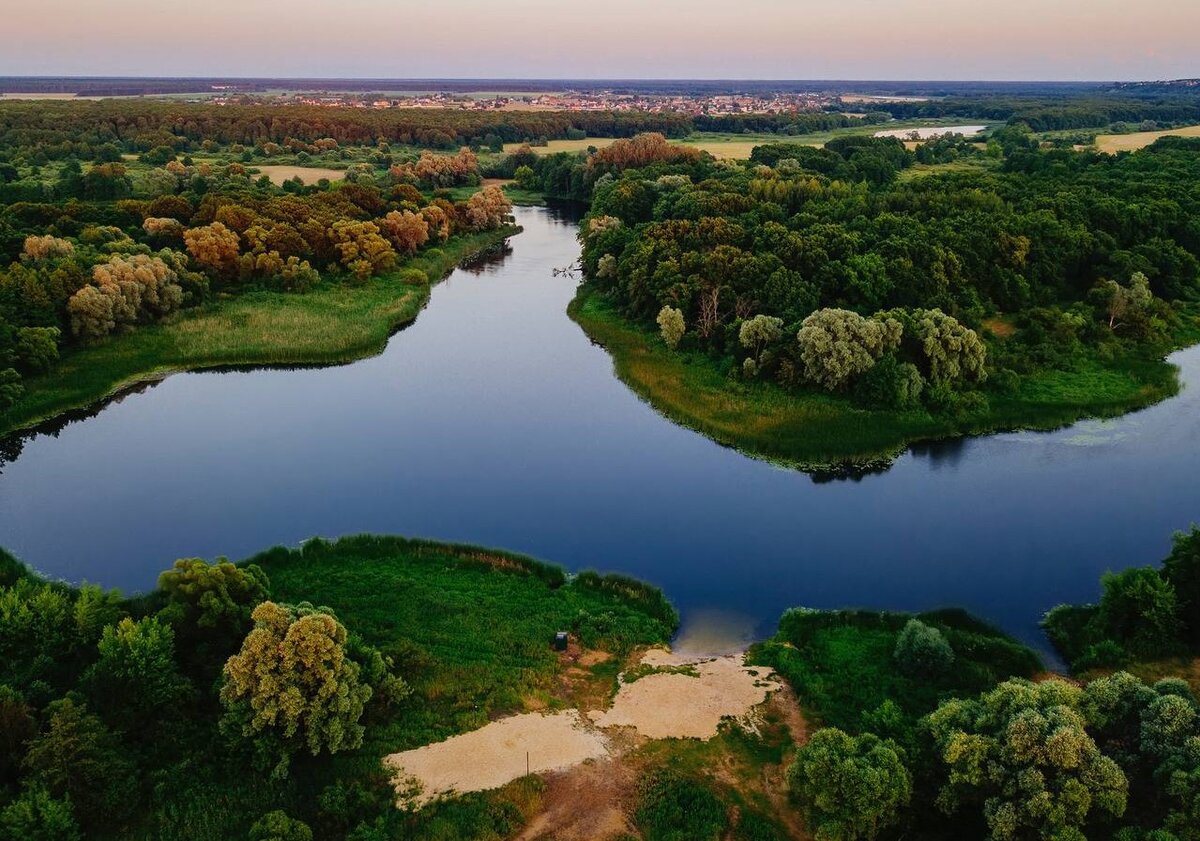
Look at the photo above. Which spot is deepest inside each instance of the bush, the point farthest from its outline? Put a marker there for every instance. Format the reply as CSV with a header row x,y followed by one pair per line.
x,y
414,276
922,650
672,807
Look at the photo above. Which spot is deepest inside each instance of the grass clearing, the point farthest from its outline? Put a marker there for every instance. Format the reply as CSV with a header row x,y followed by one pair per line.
x,y
278,173
331,324
814,429
470,628
1113,143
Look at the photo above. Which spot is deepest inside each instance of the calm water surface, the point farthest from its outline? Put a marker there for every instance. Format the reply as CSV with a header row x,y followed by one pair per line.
x,y
494,420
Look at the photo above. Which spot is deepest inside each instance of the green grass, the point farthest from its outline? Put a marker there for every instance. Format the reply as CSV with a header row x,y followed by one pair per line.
x,y
841,666
470,628
814,429
332,324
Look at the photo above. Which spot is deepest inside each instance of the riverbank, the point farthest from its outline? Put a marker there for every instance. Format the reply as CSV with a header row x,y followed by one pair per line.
x,y
332,324
815,430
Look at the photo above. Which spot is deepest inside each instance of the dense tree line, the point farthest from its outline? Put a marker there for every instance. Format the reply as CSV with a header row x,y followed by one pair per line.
x,y
933,729
79,129
897,292
1144,613
1056,113
104,260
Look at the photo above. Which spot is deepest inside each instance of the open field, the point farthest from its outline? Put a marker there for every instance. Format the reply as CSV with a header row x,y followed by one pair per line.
x,y
735,146
278,173
1113,143
331,324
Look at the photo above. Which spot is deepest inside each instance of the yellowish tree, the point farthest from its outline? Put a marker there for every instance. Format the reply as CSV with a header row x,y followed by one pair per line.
x,y
487,209
293,684
213,247
406,230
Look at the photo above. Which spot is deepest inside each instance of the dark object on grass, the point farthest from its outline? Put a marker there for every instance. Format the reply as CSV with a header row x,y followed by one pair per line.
x,y
560,641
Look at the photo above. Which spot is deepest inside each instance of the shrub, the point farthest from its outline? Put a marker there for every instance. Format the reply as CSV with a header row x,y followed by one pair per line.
x,y
672,807
414,276
671,326
921,650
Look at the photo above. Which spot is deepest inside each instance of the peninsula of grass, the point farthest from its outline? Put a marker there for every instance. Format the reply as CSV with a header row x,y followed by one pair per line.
x,y
335,323
814,429
470,628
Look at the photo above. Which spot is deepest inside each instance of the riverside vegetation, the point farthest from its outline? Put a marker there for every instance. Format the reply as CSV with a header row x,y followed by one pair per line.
x,y
257,700
131,273
812,307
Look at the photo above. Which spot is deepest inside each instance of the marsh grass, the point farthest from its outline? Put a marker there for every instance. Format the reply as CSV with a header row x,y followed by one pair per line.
x,y
814,429
334,323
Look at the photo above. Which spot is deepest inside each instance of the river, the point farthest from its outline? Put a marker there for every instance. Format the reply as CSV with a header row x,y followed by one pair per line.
x,y
494,420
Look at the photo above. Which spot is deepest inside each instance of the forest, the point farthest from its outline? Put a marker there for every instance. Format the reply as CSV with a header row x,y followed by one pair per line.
x,y
123,246
835,273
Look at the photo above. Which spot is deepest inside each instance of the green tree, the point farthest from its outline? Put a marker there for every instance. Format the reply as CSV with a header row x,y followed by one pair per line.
x,y
136,672
952,352
1020,754
16,728
79,758
838,345
1138,609
671,326
37,816
758,333
850,786
292,685
1181,570
922,651
278,826
212,600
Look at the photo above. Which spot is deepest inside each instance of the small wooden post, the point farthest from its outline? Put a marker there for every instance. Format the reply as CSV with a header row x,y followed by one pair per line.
x,y
526,763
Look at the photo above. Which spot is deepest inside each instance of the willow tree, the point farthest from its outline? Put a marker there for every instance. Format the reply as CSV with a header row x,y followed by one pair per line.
x,y
838,345
293,686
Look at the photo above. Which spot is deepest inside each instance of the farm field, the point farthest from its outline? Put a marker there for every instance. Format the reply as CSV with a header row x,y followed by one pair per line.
x,y
1113,143
278,173
738,146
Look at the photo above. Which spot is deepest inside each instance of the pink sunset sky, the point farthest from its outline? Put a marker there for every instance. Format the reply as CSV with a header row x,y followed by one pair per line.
x,y
776,39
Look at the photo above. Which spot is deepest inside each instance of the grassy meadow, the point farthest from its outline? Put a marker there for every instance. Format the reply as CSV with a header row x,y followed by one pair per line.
x,y
472,626
813,429
333,323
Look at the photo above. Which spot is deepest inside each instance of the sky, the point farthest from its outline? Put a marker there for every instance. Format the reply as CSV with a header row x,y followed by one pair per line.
x,y
713,39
